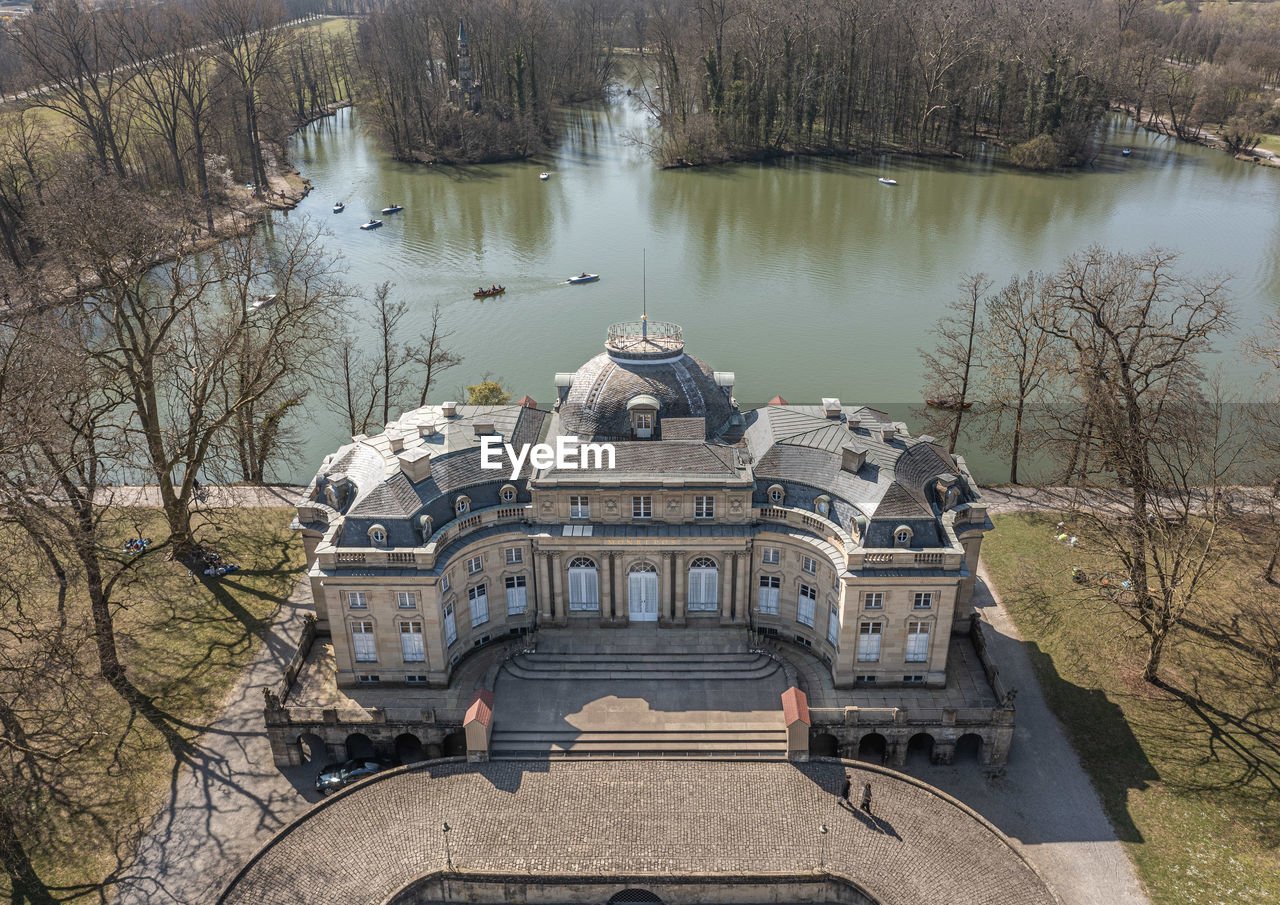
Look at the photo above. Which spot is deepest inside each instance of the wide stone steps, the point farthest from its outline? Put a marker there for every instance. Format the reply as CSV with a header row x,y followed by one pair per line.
x,y
642,666
723,742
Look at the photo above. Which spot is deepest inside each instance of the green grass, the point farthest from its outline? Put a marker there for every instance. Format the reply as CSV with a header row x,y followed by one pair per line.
x,y
184,644
1186,775
1270,143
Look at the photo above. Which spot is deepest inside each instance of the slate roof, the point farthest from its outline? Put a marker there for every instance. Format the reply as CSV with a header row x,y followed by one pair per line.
x,y
658,458
596,404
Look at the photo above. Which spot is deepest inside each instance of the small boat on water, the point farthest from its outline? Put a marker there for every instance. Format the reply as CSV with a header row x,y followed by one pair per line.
x,y
884,180
1126,152
372,224
339,207
488,293
584,277
263,301
544,176
948,405
393,209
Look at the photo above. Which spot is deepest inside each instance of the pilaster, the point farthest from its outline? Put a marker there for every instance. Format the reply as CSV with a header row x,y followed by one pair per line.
x,y
681,590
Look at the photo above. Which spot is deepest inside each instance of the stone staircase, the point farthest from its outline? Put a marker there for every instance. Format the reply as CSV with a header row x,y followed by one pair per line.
x,y
634,703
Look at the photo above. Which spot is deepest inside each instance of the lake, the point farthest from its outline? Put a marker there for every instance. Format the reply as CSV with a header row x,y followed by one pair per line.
x,y
806,277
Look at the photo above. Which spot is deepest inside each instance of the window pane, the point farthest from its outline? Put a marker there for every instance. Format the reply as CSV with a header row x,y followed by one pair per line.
x,y
833,626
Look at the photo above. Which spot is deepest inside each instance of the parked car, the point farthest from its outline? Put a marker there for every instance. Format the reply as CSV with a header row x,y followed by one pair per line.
x,y
340,775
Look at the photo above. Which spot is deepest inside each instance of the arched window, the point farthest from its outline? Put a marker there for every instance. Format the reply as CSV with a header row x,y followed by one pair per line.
x,y
902,536
703,585
822,506
643,567
425,526
777,494
584,584
377,535
461,505
508,494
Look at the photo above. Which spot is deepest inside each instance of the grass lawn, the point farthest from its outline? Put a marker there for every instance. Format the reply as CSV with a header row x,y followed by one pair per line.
x,y
1189,774
1270,143
184,643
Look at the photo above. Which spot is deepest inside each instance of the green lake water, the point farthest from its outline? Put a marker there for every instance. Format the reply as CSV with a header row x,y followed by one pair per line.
x,y
806,277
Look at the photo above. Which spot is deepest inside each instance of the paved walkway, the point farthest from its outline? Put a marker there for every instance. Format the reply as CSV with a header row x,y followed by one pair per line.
x,y
231,798
589,819
1044,800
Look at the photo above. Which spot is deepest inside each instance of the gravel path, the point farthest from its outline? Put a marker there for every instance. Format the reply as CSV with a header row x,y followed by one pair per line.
x,y
1044,800
231,797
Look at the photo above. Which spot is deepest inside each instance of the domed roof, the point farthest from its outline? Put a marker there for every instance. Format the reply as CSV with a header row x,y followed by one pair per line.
x,y
642,360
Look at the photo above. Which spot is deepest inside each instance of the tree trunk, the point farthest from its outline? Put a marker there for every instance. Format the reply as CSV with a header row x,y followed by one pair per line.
x,y
26,884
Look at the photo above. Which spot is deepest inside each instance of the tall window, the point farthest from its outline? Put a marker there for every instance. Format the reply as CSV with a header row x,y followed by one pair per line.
x,y
475,564
771,556
869,642
703,585
450,626
809,564
444,584
517,594
584,585
833,627
479,597
769,589
917,642
874,600
411,642
362,643
579,507
704,507
514,555
406,600
923,601
357,601
642,507
804,606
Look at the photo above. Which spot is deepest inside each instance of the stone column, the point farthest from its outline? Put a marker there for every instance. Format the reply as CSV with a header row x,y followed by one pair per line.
x,y
666,601
545,609
605,578
726,589
621,608
559,601
682,589
742,591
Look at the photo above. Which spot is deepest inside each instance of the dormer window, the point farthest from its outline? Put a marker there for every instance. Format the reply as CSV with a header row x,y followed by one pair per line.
x,y
902,536
822,506
378,535
508,494
461,506
777,494
644,415
425,526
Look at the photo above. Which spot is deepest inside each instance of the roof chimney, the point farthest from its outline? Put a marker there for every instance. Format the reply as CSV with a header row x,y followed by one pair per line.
x,y
483,428
397,442
831,406
416,464
852,457
449,409
427,430
888,433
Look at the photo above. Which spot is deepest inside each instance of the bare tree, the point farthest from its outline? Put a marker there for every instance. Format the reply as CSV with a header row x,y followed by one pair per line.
x,y
950,364
433,354
1134,331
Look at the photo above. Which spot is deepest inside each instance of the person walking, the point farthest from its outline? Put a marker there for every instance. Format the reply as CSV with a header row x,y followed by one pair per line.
x,y
866,797
845,789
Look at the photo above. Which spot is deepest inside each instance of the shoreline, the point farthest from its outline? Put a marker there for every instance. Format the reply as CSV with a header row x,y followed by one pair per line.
x,y
1161,125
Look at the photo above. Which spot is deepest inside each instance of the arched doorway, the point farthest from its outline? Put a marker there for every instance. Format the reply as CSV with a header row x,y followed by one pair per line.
x,y
968,749
704,585
642,592
312,749
455,743
584,584
409,748
824,745
634,897
359,745
873,747
920,749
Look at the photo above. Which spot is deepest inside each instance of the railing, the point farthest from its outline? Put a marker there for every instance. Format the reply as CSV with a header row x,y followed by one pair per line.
x,y
809,521
423,557
908,716
950,558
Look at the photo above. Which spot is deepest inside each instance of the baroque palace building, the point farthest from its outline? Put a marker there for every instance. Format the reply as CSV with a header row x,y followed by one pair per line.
x,y
828,527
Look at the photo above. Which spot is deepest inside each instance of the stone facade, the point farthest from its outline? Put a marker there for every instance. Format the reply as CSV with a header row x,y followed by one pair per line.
x,y
827,527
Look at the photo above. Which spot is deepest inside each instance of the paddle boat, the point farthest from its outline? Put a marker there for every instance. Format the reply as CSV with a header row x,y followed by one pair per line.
x,y
339,207
372,224
884,180
393,209
1126,152
584,277
263,301
487,293
544,176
